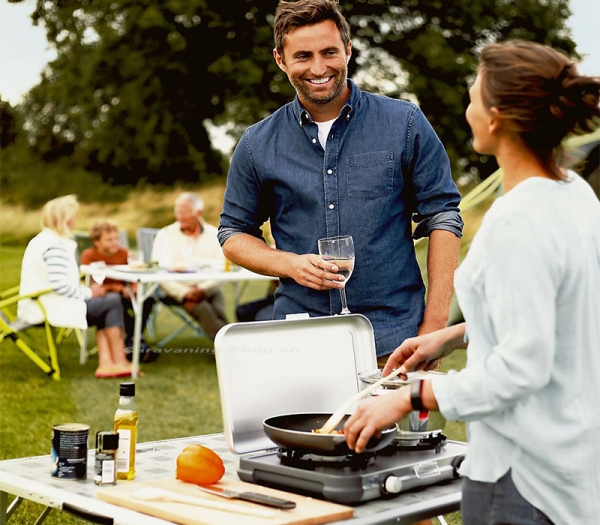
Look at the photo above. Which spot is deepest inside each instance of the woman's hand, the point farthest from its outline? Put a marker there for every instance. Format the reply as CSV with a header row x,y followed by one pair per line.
x,y
425,351
374,414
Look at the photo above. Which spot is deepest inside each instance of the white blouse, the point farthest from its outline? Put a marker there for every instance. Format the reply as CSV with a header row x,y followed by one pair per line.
x,y
529,289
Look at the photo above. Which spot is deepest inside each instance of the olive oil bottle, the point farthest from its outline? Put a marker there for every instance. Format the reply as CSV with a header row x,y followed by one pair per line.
x,y
126,425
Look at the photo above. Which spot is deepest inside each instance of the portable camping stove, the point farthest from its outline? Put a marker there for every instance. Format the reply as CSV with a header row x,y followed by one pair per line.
x,y
356,478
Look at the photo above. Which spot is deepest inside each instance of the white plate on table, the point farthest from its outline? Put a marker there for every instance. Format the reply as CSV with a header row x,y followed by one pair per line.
x,y
201,266
182,270
128,269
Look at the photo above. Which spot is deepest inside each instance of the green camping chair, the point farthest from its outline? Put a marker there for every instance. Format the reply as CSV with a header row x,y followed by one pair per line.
x,y
14,329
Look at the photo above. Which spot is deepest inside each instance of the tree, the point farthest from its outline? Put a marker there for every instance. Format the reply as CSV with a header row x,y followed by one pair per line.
x,y
124,92
136,83
8,124
436,44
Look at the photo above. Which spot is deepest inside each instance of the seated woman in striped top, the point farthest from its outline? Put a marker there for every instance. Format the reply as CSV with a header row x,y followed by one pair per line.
x,y
49,262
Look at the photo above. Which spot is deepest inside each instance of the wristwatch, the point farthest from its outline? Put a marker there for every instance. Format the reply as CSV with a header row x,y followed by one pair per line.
x,y
415,395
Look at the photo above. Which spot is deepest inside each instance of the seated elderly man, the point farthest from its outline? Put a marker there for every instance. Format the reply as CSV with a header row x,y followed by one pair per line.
x,y
180,246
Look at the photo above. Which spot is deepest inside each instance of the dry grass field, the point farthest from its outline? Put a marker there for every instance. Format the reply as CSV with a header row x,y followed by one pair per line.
x,y
145,207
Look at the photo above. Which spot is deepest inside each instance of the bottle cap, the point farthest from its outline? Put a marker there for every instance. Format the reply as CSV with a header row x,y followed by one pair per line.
x,y
107,441
127,389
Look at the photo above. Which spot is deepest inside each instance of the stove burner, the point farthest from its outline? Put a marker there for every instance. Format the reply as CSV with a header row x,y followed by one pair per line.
x,y
308,460
322,458
406,444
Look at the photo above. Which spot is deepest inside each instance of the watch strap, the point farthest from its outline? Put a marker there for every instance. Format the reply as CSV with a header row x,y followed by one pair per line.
x,y
416,400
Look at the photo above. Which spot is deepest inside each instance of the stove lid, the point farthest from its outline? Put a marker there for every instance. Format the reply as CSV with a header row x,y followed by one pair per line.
x,y
269,368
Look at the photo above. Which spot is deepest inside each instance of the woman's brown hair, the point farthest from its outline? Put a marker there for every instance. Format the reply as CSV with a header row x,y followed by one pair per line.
x,y
539,95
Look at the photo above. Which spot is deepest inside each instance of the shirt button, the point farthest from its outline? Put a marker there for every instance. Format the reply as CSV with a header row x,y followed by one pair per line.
x,y
331,206
329,172
314,141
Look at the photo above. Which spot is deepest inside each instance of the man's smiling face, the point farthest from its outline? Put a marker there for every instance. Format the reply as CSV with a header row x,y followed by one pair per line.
x,y
316,62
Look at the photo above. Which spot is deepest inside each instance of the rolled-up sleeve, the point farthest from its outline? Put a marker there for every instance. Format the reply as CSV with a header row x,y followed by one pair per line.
x,y
244,207
225,233
447,220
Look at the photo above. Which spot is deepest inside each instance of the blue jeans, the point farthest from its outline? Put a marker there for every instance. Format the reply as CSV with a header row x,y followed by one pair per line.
x,y
498,503
105,311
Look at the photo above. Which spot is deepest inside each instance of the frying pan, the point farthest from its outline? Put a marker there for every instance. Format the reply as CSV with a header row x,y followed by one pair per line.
x,y
294,431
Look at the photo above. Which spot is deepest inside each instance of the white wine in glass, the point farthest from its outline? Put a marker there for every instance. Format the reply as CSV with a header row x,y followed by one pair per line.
x,y
339,251
98,271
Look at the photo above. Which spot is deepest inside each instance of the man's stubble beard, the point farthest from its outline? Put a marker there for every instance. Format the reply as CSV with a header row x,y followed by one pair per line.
x,y
306,93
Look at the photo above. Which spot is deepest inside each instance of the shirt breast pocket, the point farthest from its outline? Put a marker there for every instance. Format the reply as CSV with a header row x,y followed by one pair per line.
x,y
370,175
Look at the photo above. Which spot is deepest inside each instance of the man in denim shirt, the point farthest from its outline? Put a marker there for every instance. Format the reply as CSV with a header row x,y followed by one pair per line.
x,y
339,161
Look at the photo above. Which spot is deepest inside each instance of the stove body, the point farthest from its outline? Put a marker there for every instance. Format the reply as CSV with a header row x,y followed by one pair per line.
x,y
351,480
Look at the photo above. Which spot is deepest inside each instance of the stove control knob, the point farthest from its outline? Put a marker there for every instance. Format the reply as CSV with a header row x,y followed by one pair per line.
x,y
392,485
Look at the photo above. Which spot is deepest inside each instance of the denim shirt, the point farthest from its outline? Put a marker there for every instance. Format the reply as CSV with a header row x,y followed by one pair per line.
x,y
383,165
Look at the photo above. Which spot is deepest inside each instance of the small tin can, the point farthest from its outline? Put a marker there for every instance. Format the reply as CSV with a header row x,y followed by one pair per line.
x,y
107,444
69,450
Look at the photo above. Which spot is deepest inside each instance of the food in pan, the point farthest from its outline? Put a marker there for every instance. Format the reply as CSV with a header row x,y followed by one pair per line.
x,y
333,432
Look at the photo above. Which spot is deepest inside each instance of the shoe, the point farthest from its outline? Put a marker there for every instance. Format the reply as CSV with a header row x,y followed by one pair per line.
x,y
148,355
122,372
112,371
104,373
126,372
144,349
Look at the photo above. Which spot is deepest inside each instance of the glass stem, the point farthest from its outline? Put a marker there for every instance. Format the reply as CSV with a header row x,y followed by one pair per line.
x,y
344,303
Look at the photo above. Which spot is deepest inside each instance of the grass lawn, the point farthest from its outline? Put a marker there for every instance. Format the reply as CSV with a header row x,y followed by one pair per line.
x,y
177,397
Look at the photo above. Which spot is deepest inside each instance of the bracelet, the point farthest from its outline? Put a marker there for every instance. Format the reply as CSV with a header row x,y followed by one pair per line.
x,y
416,400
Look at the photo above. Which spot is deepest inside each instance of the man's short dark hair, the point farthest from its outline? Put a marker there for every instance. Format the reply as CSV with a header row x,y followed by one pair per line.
x,y
292,14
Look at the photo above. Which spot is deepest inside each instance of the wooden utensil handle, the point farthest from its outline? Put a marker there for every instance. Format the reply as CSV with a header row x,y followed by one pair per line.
x,y
337,416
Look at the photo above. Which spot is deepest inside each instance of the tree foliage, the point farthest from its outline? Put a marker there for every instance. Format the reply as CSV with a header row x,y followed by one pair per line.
x,y
137,83
8,124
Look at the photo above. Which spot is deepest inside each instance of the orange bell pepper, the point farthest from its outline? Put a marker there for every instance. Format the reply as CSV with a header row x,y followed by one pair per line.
x,y
200,465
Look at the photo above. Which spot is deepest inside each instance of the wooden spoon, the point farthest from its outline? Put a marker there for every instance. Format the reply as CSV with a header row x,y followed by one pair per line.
x,y
338,415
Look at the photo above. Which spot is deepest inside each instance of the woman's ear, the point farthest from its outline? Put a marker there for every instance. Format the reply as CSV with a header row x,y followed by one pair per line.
x,y
494,121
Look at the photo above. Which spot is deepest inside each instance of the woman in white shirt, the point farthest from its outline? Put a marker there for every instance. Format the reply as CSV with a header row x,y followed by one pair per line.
x,y
49,262
529,290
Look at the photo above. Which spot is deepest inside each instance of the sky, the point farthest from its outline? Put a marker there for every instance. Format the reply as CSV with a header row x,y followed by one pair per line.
x,y
24,50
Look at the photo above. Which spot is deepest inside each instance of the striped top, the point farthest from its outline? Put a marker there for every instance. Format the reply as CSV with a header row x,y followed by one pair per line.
x,y
56,259
49,263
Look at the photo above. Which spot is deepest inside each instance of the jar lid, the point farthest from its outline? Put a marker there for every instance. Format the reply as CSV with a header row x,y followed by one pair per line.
x,y
107,441
127,389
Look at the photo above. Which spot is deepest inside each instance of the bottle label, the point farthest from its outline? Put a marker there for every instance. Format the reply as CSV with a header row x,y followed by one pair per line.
x,y
105,469
124,448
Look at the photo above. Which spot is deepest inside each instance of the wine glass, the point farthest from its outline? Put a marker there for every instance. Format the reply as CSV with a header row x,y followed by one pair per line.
x,y
339,251
98,271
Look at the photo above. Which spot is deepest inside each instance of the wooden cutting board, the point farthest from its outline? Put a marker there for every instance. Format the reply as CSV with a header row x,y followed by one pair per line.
x,y
308,511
